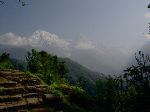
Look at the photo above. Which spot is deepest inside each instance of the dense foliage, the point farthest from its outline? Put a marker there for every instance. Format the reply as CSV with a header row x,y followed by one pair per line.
x,y
45,64
130,93
5,62
139,77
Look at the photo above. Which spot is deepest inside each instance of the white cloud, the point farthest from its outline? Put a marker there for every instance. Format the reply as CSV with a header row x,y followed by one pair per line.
x,y
12,39
147,36
48,41
85,44
42,37
39,39
100,53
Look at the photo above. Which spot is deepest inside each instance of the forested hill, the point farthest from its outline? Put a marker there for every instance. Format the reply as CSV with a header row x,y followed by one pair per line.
x,y
77,71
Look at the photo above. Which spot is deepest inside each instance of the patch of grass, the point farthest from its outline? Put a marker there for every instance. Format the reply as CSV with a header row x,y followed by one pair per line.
x,y
64,90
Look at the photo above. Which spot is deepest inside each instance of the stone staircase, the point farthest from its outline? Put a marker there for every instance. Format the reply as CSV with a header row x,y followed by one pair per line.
x,y
20,92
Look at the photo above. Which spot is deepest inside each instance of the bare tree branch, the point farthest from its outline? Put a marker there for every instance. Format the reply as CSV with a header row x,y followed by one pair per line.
x,y
22,2
2,2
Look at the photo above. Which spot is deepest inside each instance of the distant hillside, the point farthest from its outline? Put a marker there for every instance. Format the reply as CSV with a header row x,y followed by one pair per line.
x,y
19,64
82,75
15,52
77,71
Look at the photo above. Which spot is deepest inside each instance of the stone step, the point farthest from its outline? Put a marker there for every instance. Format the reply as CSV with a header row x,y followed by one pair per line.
x,y
9,98
2,79
23,110
31,101
9,70
35,89
50,99
49,96
39,110
8,84
32,95
15,78
12,91
23,90
32,81
42,86
25,80
24,104
19,74
9,75
12,106
5,72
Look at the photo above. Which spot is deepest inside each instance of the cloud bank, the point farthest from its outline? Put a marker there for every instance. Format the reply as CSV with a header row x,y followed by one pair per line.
x,y
45,40
98,56
39,39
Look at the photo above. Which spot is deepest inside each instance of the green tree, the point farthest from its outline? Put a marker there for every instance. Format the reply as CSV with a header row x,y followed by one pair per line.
x,y
108,90
47,65
5,56
5,61
62,68
138,76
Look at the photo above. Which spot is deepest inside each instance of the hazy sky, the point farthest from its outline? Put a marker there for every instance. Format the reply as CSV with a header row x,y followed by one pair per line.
x,y
117,25
97,19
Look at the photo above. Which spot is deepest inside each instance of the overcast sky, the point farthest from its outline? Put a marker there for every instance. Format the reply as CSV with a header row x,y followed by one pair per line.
x,y
103,25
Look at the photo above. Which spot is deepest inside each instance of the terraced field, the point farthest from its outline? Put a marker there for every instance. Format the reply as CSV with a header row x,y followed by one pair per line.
x,y
20,92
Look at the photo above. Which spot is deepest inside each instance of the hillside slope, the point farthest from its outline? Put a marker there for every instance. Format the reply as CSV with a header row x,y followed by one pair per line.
x,y
77,71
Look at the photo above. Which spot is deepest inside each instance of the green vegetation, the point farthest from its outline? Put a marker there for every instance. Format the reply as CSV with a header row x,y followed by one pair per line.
x,y
5,62
45,64
129,92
